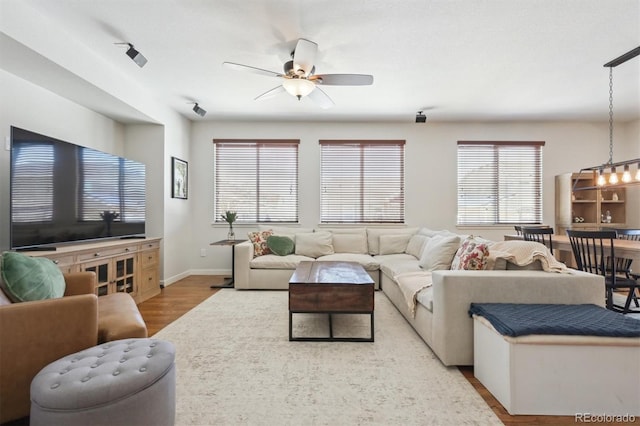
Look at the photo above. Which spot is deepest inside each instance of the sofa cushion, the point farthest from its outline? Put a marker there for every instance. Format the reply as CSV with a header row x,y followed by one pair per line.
x,y
439,251
273,261
425,298
395,264
259,240
373,236
280,245
314,244
471,256
416,244
26,278
350,243
367,262
393,244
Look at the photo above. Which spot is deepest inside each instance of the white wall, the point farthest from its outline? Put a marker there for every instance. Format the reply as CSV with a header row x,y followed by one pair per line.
x,y
33,108
430,168
36,109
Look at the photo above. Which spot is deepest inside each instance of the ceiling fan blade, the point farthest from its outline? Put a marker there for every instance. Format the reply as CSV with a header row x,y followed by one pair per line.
x,y
270,93
320,98
251,69
304,56
343,79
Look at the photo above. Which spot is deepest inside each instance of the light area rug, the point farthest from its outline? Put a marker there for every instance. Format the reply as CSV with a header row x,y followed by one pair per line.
x,y
236,366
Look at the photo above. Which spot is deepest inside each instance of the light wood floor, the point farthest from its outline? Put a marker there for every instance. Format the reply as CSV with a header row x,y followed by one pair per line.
x,y
177,299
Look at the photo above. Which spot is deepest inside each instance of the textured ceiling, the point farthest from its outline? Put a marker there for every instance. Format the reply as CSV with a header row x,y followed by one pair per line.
x,y
456,60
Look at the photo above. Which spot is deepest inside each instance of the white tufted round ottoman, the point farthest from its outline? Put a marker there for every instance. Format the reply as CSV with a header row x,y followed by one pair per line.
x,y
124,382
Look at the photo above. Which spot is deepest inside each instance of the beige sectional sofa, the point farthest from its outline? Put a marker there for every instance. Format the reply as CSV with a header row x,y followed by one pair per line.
x,y
439,313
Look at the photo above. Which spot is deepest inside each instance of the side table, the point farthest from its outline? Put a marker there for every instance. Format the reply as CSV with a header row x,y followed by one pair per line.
x,y
228,282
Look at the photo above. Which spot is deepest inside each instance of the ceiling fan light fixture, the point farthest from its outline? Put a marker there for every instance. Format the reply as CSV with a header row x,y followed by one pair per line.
x,y
298,87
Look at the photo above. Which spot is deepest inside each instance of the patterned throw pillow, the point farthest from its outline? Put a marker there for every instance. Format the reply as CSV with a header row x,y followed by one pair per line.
x,y
472,256
259,240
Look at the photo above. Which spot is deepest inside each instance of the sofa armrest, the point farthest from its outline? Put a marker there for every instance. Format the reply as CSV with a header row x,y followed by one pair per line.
x,y
79,283
243,256
34,334
454,291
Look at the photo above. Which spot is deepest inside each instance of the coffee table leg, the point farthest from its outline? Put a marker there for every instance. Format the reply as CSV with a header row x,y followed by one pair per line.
x,y
290,326
330,326
372,327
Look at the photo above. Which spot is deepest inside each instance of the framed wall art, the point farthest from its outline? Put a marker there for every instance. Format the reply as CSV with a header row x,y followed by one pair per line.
x,y
179,178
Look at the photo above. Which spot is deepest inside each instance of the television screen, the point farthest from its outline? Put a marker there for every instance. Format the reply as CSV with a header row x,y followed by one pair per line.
x,y
62,192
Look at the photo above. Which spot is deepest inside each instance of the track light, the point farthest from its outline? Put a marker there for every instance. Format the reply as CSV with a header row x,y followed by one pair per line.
x,y
200,111
420,117
136,56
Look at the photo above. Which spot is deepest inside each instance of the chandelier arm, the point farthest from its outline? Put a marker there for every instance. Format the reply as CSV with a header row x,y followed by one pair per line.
x,y
610,115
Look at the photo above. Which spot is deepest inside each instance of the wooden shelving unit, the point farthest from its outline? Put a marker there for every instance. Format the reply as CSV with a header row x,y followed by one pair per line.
x,y
588,204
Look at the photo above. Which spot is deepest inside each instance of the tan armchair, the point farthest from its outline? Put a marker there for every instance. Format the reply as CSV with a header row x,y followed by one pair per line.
x,y
34,334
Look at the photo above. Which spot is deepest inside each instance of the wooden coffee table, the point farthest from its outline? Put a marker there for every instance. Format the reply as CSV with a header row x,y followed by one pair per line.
x,y
330,288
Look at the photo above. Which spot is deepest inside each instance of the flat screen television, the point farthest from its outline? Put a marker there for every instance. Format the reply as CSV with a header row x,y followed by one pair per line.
x,y
62,193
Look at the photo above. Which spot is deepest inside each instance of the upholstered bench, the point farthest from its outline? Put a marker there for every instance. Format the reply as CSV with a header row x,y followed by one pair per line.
x,y
119,318
558,359
125,382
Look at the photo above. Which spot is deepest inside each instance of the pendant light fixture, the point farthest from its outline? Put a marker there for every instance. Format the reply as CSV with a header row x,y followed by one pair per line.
x,y
613,180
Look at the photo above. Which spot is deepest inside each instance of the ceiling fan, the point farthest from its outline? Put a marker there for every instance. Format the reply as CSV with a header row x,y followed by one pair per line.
x,y
298,78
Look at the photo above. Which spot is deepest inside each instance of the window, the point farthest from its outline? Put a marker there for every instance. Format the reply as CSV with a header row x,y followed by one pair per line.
x,y
256,178
499,183
362,181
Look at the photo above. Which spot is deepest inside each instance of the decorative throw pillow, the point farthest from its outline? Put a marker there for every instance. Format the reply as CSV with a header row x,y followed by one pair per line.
x,y
393,244
259,240
280,245
314,244
472,255
416,244
26,278
350,243
438,252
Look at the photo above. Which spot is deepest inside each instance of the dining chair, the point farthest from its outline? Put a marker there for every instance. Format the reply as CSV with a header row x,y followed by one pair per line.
x,y
538,234
594,252
624,265
518,228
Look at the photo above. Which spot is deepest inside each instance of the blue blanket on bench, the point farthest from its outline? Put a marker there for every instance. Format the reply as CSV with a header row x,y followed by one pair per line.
x,y
515,319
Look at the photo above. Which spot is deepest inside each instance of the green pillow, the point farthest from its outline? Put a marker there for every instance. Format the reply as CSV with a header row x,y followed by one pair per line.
x,y
280,245
29,278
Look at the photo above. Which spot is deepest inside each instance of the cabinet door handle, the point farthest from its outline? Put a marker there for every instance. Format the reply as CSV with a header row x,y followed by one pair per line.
x,y
127,249
56,261
96,254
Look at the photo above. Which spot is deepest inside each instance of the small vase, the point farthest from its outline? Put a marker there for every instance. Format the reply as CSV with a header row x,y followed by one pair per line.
x,y
231,235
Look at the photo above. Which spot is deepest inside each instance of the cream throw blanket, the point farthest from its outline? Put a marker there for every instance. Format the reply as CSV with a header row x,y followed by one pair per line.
x,y
411,283
521,253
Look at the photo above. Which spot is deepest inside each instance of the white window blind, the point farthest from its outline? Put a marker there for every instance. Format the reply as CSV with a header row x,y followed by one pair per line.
x,y
362,181
499,182
258,179
32,174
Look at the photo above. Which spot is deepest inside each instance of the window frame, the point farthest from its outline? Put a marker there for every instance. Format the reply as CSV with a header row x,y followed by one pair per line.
x,y
363,211
466,219
258,144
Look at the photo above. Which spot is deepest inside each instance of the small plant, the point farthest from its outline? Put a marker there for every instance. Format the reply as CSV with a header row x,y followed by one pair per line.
x,y
229,217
